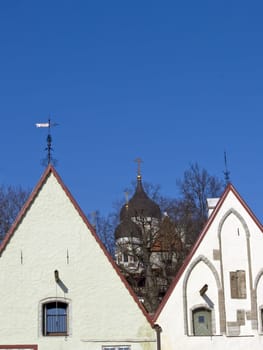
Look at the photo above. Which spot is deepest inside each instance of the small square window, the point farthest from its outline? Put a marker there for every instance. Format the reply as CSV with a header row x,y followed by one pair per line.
x,y
201,319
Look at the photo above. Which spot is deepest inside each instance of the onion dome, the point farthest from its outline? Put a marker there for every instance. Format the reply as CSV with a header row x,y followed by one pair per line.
x,y
140,205
127,228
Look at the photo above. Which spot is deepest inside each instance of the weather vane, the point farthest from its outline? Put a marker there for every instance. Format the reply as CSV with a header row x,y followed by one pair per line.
x,y
49,159
226,172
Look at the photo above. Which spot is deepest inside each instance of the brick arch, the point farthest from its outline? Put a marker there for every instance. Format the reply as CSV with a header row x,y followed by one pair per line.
x,y
205,260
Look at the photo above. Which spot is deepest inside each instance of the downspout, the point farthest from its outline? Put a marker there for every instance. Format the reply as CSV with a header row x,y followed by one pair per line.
x,y
158,331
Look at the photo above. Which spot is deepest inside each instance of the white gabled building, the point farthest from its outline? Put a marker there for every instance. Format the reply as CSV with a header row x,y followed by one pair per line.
x,y
59,288
216,300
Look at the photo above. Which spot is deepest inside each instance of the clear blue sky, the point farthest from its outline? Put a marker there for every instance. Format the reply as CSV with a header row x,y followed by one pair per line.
x,y
172,82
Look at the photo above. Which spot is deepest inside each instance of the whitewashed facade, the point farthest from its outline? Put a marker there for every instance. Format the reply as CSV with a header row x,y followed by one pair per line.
x,y
216,301
59,288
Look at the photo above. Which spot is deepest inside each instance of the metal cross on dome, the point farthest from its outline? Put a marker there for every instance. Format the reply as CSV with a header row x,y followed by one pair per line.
x,y
138,161
49,159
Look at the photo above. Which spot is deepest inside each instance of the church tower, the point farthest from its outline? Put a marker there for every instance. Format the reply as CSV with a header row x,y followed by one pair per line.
x,y
139,217
147,246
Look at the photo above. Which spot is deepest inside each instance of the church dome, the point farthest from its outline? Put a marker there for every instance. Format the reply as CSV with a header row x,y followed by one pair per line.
x,y
140,204
127,228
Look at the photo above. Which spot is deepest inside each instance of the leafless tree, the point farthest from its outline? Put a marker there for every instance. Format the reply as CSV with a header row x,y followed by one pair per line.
x,y
11,201
190,209
105,227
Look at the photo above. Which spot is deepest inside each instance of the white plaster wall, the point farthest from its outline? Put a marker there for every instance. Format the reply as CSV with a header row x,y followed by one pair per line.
x,y
102,308
172,319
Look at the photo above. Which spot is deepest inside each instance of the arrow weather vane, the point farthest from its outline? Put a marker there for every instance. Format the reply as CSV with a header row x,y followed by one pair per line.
x,y
49,148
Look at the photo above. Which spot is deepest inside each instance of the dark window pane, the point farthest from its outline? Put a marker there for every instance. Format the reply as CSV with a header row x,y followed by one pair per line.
x,y
55,318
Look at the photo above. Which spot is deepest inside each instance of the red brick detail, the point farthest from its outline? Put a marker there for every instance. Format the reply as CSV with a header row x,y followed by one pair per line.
x,y
18,347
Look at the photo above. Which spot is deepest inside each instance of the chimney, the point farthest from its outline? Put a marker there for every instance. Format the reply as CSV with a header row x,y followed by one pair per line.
x,y
211,204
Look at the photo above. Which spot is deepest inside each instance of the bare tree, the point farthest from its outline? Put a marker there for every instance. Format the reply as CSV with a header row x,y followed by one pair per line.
x,y
105,227
11,201
189,211
196,186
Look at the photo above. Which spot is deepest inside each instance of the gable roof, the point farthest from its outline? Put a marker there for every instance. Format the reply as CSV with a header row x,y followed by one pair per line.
x,y
48,171
229,188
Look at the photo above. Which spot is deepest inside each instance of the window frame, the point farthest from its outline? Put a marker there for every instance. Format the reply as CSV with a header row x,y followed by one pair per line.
x,y
116,347
193,326
42,317
51,327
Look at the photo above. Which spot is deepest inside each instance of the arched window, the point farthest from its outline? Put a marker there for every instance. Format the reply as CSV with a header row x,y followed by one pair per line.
x,y
55,318
202,324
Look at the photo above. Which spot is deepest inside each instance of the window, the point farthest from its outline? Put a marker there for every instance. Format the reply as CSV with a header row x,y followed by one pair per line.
x,y
202,321
125,257
261,319
55,318
238,284
131,259
122,347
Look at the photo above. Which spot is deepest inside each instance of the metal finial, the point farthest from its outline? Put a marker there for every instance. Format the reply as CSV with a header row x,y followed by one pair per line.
x,y
49,159
226,172
126,193
138,161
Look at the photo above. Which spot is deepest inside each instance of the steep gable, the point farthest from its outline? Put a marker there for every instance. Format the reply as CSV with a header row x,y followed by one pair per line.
x,y
53,253
229,191
218,290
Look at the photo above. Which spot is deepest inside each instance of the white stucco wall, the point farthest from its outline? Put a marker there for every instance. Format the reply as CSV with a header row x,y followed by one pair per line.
x,y
231,240
53,236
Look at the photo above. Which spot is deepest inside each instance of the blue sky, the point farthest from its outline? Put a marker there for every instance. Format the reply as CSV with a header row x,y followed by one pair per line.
x,y
172,82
